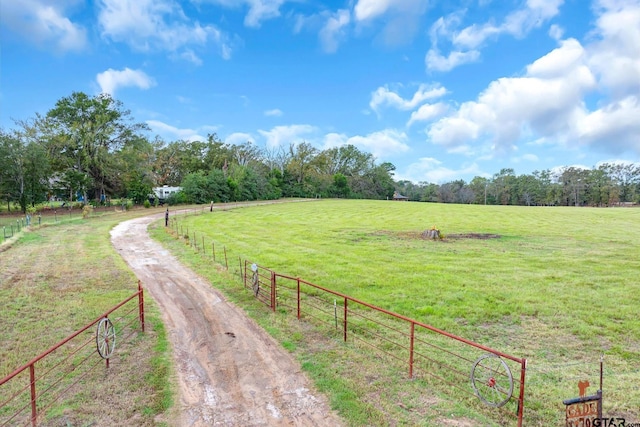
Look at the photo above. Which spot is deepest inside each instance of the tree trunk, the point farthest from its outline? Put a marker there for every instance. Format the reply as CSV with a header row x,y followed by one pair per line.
x,y
433,234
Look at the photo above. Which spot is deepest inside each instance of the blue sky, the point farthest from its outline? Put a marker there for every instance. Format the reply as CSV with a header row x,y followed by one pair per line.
x,y
444,90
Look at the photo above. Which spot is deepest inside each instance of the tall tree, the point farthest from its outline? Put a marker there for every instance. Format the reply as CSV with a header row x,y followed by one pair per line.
x,y
24,175
574,185
84,132
504,187
627,177
301,156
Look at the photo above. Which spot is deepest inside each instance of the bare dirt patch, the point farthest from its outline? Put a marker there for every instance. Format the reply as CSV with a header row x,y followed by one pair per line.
x,y
229,371
419,235
481,236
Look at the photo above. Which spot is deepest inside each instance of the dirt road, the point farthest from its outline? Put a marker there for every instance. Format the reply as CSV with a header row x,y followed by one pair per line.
x,y
229,371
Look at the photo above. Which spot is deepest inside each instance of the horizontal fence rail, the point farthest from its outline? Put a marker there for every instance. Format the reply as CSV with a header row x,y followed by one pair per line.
x,y
29,391
477,371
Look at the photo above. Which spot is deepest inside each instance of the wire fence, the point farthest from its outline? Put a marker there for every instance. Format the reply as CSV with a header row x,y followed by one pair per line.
x,y
29,392
13,224
477,373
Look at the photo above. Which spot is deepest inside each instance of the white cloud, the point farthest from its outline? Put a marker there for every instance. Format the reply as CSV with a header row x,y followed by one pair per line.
x,y
383,96
190,56
518,23
556,32
545,102
383,143
454,131
171,132
615,57
401,20
238,138
444,26
157,25
466,42
276,112
280,136
333,30
111,80
615,126
427,112
43,22
558,62
428,169
548,105
525,158
435,61
259,10
370,9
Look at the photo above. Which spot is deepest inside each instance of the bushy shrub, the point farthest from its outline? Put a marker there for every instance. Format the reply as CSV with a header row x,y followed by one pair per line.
x,y
146,203
178,198
87,210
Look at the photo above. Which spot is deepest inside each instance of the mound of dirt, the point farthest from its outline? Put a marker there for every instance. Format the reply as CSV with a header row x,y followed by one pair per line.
x,y
481,236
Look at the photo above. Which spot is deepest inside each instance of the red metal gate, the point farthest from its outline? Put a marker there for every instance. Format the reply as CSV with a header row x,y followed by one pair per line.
x,y
62,373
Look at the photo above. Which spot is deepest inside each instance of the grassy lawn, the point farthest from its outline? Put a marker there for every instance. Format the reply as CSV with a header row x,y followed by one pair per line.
x,y
558,287
55,279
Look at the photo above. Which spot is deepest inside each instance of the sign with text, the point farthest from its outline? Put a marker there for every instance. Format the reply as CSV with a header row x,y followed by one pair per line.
x,y
584,411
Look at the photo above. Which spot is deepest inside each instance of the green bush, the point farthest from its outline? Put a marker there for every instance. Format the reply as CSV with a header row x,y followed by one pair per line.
x,y
87,210
178,198
146,204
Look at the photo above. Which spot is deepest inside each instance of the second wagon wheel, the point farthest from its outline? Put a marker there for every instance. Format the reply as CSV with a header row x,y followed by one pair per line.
x,y
255,279
105,338
492,380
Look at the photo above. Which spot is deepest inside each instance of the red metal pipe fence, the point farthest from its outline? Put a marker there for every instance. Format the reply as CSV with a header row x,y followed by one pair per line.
x,y
47,385
474,370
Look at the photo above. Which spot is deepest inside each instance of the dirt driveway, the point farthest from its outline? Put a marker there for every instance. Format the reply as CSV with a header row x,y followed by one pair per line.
x,y
229,371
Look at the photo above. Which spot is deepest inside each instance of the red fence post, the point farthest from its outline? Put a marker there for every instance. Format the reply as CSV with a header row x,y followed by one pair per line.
x,y
107,359
413,328
34,412
298,298
523,369
273,290
141,304
345,319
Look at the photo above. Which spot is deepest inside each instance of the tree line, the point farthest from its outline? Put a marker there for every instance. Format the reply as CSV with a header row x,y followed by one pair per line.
x,y
90,149
608,184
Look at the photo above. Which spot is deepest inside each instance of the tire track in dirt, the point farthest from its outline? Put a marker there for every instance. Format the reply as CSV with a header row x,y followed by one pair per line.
x,y
229,371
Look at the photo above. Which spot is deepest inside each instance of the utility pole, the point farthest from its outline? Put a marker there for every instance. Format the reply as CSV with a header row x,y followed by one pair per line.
x,y
485,193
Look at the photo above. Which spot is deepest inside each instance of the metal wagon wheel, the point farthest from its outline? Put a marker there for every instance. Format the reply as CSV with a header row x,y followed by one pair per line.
x,y
255,280
105,338
492,380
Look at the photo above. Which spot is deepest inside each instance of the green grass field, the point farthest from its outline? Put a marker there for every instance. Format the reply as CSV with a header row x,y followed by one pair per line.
x,y
53,280
559,287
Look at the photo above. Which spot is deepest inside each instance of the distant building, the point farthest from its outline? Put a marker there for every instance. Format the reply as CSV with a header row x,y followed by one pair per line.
x,y
165,191
400,197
